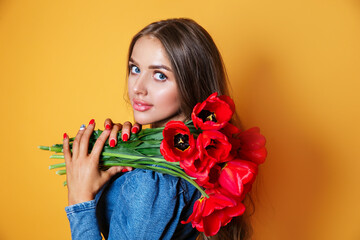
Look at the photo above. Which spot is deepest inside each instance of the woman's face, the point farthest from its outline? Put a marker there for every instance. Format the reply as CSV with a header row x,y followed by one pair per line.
x,y
152,87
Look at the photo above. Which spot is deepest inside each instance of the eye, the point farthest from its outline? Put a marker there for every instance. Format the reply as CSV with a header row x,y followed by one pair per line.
x,y
134,69
160,76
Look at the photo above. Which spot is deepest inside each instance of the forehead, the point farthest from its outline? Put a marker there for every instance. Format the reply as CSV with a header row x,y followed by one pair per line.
x,y
149,50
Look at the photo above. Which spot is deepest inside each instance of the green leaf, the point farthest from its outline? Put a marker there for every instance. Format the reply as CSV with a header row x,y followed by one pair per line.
x,y
120,150
149,132
142,150
149,144
149,151
153,136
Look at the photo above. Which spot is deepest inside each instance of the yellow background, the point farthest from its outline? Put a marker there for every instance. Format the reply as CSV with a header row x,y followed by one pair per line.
x,y
294,69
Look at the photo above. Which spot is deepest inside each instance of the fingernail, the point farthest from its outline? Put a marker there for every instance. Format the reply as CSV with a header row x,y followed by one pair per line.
x,y
107,126
124,170
125,137
82,127
112,143
135,129
91,121
65,135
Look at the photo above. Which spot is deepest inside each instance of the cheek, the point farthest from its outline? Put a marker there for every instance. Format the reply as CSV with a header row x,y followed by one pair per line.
x,y
168,98
130,89
129,86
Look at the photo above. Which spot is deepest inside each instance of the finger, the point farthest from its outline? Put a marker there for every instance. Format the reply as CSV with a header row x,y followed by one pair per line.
x,y
127,169
108,123
84,142
66,149
106,175
125,133
136,128
99,145
114,133
76,142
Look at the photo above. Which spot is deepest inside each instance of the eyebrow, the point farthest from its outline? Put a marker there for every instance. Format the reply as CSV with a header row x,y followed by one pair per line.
x,y
161,66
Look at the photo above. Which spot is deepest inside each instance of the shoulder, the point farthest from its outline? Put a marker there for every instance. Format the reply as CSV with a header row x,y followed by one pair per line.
x,y
145,183
146,204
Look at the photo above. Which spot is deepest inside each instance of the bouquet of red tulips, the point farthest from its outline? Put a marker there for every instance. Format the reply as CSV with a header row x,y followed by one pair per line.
x,y
209,152
222,159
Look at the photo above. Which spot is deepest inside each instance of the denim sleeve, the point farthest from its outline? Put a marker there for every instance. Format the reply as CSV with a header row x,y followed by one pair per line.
x,y
148,206
142,204
83,223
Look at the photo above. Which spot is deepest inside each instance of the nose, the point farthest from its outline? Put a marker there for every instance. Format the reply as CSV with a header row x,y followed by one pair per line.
x,y
139,86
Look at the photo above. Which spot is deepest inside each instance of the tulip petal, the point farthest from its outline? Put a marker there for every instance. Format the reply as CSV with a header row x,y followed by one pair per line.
x,y
213,113
212,224
216,201
229,101
235,174
257,156
238,210
178,143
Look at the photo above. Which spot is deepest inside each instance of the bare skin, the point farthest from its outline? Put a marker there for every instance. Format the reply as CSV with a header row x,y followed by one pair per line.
x,y
116,127
154,95
82,169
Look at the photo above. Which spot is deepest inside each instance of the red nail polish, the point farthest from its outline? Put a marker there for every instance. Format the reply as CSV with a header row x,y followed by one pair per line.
x,y
112,143
107,126
125,137
124,170
65,135
91,121
135,129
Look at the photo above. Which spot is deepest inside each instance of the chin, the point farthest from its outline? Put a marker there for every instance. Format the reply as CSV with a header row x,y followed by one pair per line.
x,y
153,122
142,120
158,121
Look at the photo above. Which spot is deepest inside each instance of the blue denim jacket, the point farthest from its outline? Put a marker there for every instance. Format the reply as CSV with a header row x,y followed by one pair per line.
x,y
140,204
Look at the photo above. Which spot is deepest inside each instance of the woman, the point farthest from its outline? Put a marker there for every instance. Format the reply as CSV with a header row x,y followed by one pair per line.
x,y
173,65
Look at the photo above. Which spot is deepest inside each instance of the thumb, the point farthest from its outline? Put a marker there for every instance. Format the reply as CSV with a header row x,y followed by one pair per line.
x,y
106,175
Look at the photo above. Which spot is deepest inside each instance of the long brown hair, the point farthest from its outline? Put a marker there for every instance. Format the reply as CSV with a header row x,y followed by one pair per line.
x,y
195,59
199,71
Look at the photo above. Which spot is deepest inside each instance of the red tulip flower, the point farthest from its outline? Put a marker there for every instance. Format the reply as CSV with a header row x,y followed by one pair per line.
x,y
251,145
237,175
213,148
213,113
178,143
214,144
198,168
209,214
230,130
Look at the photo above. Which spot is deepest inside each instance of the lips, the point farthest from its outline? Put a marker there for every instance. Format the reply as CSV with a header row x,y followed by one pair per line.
x,y
141,106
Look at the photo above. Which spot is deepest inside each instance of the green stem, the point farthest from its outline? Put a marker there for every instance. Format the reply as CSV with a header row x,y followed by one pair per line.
x,y
61,172
171,165
43,147
129,156
52,149
59,165
113,161
160,170
144,164
110,154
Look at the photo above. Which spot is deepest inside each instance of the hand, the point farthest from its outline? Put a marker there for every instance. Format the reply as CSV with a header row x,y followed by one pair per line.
x,y
116,127
84,179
